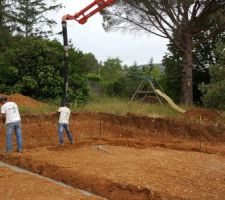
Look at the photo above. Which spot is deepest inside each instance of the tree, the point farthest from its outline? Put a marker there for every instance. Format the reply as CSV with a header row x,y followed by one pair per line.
x,y
5,32
29,17
34,67
90,63
214,92
111,69
203,57
83,63
126,83
179,21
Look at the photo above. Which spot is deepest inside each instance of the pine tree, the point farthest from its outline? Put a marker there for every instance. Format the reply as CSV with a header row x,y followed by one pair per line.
x,y
31,17
5,17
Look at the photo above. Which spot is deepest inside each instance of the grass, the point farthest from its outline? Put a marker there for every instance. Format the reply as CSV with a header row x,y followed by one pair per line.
x,y
111,105
122,106
44,109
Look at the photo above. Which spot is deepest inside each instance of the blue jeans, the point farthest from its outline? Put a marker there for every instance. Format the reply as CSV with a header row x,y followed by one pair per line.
x,y
65,126
9,130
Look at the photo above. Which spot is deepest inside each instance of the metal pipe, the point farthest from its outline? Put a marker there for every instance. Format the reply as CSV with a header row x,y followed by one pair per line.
x,y
66,62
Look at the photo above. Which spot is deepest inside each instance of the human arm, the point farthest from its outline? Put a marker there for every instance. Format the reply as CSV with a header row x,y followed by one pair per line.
x,y
2,115
58,113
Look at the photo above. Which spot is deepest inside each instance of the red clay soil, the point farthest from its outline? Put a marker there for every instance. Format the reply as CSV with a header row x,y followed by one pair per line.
x,y
202,114
41,130
22,186
130,173
24,100
137,166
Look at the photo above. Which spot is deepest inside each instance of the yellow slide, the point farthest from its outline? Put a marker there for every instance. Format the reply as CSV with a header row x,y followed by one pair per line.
x,y
170,101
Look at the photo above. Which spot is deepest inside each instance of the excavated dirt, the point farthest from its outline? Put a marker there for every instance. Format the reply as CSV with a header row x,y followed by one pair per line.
x,y
22,100
130,173
127,157
204,115
22,186
138,158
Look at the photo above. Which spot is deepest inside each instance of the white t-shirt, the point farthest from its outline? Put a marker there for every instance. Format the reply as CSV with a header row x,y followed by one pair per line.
x,y
10,109
64,115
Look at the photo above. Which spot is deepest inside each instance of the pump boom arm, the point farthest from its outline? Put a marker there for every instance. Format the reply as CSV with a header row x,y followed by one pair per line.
x,y
83,15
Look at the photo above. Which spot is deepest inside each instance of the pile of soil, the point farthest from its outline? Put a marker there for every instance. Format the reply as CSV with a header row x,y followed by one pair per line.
x,y
201,114
24,100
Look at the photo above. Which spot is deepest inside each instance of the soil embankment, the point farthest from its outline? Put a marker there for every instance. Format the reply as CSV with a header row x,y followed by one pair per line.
x,y
127,157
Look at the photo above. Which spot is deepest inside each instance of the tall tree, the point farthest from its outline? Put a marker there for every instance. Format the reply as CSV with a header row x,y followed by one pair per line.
x,y
178,20
31,16
5,17
203,56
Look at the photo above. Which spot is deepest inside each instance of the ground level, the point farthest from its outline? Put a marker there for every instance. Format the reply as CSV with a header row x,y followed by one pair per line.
x,y
23,186
123,157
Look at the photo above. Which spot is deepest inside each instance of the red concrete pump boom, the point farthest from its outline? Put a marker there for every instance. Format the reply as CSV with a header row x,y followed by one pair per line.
x,y
81,17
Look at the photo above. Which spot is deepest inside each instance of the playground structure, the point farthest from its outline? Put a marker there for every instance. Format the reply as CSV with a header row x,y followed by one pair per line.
x,y
153,88
170,101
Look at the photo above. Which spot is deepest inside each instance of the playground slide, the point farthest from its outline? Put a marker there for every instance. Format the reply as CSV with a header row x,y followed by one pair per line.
x,y
170,101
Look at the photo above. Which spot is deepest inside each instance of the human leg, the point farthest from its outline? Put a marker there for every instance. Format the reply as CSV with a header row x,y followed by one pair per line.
x,y
69,134
9,130
60,133
18,137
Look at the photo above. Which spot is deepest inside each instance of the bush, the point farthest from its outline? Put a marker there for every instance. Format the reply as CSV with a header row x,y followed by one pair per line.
x,y
214,92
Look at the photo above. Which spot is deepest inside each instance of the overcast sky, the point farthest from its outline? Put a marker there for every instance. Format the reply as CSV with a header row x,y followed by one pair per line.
x,y
91,37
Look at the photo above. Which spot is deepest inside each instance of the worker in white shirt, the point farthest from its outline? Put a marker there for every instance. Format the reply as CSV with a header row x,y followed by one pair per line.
x,y
63,123
11,118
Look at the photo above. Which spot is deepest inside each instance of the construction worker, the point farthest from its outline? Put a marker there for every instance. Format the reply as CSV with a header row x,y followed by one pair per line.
x,y
63,123
11,118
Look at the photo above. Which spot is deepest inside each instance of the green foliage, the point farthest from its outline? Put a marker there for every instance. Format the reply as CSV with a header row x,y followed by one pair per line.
x,y
78,89
82,63
130,78
34,67
93,77
30,17
172,63
111,69
90,63
214,92
203,56
4,38
214,95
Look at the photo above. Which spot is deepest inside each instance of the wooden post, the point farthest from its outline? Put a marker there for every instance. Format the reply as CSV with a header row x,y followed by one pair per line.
x,y
100,128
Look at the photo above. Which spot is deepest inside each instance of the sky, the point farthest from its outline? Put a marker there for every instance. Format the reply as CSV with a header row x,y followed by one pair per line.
x,y
91,37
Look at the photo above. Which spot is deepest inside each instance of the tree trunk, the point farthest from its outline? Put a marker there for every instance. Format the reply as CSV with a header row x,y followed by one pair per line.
x,y
187,66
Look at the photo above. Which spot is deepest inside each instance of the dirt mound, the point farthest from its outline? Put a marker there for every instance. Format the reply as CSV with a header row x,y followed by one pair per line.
x,y
24,100
202,114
